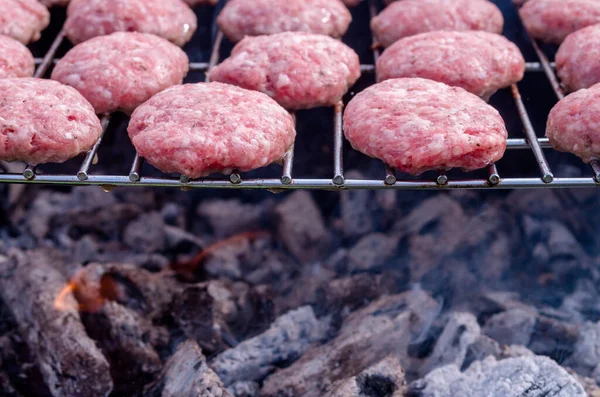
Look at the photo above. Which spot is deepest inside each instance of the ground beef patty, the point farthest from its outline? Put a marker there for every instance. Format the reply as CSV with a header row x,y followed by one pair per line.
x,y
122,70
553,20
171,19
298,70
52,3
15,59
201,2
198,129
574,124
410,17
578,59
241,18
416,125
479,62
43,121
23,20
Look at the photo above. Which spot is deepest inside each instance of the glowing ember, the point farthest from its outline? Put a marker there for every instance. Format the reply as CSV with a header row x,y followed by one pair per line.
x,y
61,301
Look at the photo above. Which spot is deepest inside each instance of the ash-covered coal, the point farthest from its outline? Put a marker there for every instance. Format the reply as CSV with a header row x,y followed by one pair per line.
x,y
304,294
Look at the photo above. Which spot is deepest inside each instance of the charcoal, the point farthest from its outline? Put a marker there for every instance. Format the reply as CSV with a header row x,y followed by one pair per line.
x,y
384,379
186,373
346,294
244,389
126,339
301,227
287,339
147,293
583,304
512,327
586,352
481,348
385,327
337,261
177,239
460,332
434,229
70,361
200,312
534,376
305,289
589,385
355,210
146,233
228,217
553,337
371,252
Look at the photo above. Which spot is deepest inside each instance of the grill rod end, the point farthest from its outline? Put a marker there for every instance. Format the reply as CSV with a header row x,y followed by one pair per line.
x,y
82,175
29,172
338,180
442,179
548,178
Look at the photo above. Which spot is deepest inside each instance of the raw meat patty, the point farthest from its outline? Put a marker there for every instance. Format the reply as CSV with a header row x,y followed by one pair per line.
x,y
52,3
416,125
578,59
198,129
553,20
193,3
410,17
241,18
171,19
298,70
122,70
574,124
23,20
479,62
43,121
15,59
351,3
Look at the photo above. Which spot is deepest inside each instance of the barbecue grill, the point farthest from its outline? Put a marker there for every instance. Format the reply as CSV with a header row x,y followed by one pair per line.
x,y
494,179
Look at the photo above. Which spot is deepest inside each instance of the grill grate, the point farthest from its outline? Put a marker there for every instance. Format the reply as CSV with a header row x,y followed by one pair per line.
x,y
389,180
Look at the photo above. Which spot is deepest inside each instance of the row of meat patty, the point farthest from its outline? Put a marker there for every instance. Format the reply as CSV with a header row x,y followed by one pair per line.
x,y
442,61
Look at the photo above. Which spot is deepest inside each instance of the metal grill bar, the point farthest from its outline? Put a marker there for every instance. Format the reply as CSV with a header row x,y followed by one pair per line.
x,y
82,175
286,181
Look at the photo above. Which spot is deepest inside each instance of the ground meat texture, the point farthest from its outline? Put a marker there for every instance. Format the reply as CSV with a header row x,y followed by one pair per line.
x,y
122,70
417,125
15,59
298,70
574,124
198,129
194,3
240,18
578,59
170,19
52,3
553,20
479,62
409,17
351,3
43,121
23,20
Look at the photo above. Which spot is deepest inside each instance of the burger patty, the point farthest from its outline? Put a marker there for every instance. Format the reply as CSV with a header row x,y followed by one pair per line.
x,y
198,129
417,125
409,17
52,3
122,70
43,121
574,124
240,18
578,59
194,3
298,70
479,62
15,59
172,19
23,20
553,20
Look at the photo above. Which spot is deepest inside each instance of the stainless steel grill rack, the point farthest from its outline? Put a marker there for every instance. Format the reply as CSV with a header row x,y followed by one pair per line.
x,y
388,180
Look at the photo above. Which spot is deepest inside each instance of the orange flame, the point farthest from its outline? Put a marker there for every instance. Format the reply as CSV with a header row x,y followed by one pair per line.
x,y
196,261
60,303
